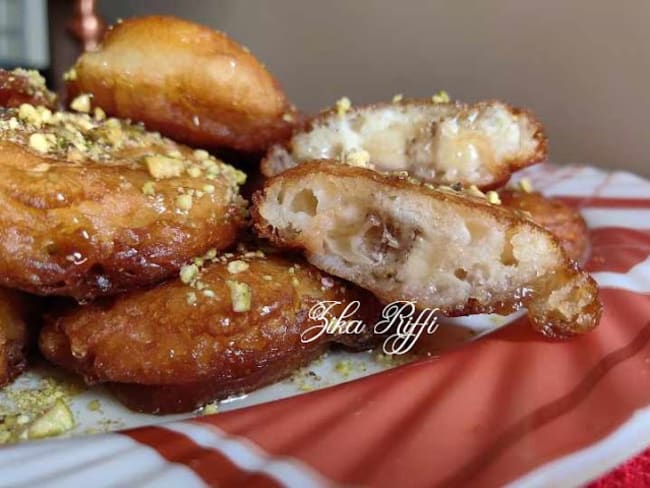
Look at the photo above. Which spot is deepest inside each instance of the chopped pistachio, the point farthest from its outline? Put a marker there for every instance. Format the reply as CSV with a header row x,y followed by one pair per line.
x,y
188,273
40,142
211,254
54,421
398,98
164,167
237,266
184,202
81,103
493,198
194,171
149,188
359,158
526,185
99,113
209,409
191,298
441,97
267,278
70,75
208,188
240,295
209,293
342,106
94,405
287,117
201,154
28,113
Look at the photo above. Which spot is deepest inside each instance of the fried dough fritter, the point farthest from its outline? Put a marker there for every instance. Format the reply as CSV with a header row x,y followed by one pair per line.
x,y
228,326
187,81
407,241
442,143
92,207
16,313
561,220
20,86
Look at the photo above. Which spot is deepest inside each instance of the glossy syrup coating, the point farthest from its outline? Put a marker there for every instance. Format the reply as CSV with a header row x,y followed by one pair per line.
x,y
91,206
189,82
18,313
561,220
226,325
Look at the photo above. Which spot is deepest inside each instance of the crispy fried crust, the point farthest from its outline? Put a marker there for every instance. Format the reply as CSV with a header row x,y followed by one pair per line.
x,y
444,143
90,207
406,241
20,86
563,221
173,348
16,314
187,81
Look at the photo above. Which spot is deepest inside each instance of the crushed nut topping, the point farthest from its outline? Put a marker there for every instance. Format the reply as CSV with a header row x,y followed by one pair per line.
x,y
240,295
398,98
360,158
342,106
493,198
237,266
441,97
81,103
184,202
526,186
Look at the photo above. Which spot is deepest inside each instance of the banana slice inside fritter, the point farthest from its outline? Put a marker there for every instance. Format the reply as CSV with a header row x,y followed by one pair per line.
x,y
446,143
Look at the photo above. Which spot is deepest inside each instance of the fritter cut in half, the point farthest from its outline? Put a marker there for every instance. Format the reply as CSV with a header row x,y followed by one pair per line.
x,y
16,315
443,249
92,206
187,81
445,143
226,326
561,220
20,86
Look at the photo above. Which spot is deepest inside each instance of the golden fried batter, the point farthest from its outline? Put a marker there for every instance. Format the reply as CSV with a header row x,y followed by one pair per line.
x,y
228,325
24,86
91,207
407,241
15,313
563,221
187,81
444,143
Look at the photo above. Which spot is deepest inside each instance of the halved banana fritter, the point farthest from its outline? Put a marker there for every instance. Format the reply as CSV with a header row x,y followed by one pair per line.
x,y
227,325
406,241
444,143
91,206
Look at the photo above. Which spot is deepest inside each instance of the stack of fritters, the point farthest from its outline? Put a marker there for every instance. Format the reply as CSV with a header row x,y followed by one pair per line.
x,y
142,230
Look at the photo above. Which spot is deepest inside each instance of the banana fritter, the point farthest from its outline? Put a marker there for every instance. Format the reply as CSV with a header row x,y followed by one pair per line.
x,y
227,325
187,81
91,206
20,86
561,220
16,315
436,142
406,241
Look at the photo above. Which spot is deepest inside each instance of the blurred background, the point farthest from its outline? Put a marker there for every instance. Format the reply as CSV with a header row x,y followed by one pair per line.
x,y
582,66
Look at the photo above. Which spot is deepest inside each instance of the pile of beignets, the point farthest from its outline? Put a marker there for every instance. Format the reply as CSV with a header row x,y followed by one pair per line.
x,y
161,280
